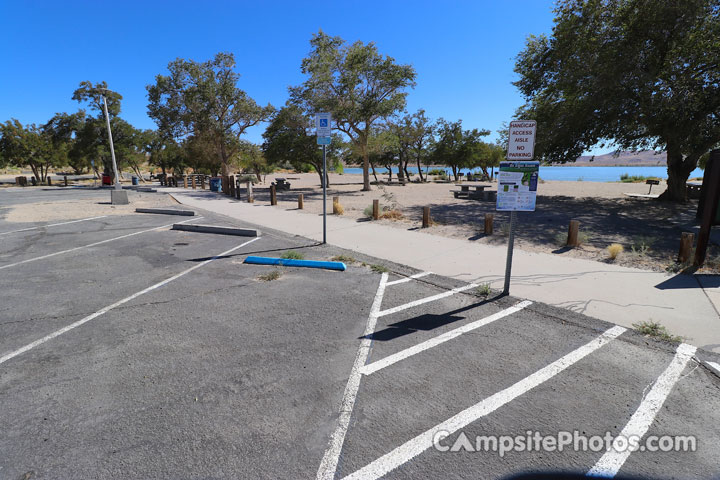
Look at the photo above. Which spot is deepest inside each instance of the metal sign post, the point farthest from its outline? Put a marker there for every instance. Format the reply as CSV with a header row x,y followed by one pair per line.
x,y
517,182
323,126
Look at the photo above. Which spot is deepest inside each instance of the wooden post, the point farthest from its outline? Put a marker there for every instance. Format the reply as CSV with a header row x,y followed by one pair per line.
x,y
231,185
301,201
193,182
65,179
336,204
426,217
686,243
376,209
49,181
202,182
236,183
250,198
573,231
273,195
185,184
489,223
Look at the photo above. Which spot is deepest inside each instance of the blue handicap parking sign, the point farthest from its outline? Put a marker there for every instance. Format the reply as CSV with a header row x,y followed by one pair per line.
x,y
323,122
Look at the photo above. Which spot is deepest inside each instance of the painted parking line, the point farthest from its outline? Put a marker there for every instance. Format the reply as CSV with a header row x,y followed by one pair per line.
x,y
35,259
434,342
103,311
407,279
611,462
714,366
432,298
424,441
328,465
52,225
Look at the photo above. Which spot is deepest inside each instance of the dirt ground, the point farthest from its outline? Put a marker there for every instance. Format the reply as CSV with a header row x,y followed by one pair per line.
x,y
648,230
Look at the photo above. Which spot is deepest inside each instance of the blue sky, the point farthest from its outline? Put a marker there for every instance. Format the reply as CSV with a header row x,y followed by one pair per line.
x,y
463,51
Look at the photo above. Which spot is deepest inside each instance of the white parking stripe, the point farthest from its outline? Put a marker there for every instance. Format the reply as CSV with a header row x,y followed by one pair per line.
x,y
715,366
411,277
416,446
92,316
52,225
92,244
434,342
328,466
611,462
400,308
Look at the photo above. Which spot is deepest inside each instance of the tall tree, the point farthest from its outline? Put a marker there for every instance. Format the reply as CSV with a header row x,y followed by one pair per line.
x,y
202,98
414,133
356,83
635,73
30,146
290,139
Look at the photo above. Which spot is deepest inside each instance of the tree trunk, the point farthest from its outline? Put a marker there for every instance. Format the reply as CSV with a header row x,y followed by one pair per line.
x,y
319,172
366,169
455,173
401,173
678,173
389,169
420,172
372,165
223,161
405,167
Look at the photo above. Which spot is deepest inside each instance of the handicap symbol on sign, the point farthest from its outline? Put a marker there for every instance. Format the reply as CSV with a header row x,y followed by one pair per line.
x,y
323,122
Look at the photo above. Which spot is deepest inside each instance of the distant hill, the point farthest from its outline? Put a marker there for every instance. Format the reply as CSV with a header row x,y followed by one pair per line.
x,y
647,158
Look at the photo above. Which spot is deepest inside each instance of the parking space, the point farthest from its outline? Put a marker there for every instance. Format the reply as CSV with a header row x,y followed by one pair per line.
x,y
128,350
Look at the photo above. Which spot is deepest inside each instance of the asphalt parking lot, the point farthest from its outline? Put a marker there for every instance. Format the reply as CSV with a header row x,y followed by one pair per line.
x,y
129,350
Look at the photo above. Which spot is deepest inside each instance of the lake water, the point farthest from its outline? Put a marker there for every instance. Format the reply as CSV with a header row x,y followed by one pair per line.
x,y
587,174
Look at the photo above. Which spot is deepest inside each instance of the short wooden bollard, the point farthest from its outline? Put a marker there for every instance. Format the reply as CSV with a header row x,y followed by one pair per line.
x,y
202,182
185,184
65,180
686,243
426,217
231,185
336,205
301,201
376,209
273,195
49,181
573,233
193,182
489,223
250,197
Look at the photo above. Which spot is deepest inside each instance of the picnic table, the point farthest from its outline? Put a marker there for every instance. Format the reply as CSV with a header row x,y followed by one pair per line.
x,y
281,184
474,191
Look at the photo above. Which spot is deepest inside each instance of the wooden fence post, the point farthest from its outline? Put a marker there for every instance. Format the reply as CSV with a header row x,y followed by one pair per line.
x,y
185,185
273,195
301,201
686,243
489,223
192,181
426,217
250,198
573,231
202,182
376,209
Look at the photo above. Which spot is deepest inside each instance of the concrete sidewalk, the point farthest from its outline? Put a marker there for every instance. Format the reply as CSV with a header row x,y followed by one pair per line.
x,y
682,303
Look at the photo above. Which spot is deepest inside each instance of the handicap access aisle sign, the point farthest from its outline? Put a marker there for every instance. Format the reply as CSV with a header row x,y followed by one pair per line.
x,y
517,186
323,128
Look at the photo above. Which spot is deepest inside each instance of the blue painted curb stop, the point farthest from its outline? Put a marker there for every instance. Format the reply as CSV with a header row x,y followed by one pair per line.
x,y
288,262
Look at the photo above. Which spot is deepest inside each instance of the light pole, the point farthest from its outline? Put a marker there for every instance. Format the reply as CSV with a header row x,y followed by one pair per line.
x,y
117,196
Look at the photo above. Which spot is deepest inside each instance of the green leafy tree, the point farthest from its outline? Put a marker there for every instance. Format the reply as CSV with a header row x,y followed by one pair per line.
x,y
203,99
28,146
356,84
290,138
637,74
250,157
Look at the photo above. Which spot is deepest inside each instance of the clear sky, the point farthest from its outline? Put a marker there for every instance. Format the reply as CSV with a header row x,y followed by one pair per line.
x,y
463,51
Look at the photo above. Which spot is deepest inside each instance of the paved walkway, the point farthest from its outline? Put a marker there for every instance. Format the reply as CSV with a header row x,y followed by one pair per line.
x,y
616,294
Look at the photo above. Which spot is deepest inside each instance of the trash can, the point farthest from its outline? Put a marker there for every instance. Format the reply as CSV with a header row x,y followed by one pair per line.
x,y
106,179
215,184
135,180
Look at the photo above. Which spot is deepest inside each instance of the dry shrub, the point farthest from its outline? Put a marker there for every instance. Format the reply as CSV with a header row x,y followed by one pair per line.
x,y
614,250
392,215
338,209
